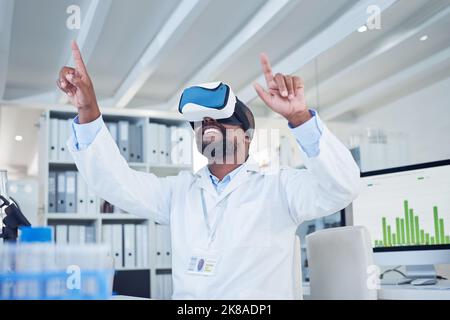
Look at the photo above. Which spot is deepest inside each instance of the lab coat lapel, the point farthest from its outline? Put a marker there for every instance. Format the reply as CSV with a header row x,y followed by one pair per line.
x,y
204,181
241,177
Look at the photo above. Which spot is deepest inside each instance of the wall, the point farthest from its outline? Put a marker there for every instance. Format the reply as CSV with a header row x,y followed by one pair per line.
x,y
423,119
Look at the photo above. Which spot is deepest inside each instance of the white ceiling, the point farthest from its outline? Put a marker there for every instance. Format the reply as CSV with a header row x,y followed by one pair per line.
x,y
141,53
218,22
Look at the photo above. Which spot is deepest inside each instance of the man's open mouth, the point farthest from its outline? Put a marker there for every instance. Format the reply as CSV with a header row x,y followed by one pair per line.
x,y
212,130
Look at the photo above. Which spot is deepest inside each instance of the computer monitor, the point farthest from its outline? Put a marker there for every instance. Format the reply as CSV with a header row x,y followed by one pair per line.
x,y
407,212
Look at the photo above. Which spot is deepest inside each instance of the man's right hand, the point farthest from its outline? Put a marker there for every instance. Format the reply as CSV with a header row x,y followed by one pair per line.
x,y
75,82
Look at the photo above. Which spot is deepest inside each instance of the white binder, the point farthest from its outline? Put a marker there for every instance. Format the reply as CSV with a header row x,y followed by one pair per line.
x,y
181,142
186,146
162,144
168,248
106,233
160,286
81,234
174,145
167,253
92,202
107,236
90,234
167,286
69,132
61,233
139,246
61,192
170,286
74,234
51,192
53,140
81,195
153,143
142,245
117,249
168,145
62,148
124,143
132,142
139,142
71,183
146,242
129,233
159,246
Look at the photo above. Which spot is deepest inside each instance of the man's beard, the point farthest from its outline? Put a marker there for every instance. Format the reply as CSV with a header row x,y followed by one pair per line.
x,y
219,152
224,151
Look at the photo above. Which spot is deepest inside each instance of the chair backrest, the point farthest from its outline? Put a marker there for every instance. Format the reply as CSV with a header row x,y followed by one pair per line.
x,y
339,260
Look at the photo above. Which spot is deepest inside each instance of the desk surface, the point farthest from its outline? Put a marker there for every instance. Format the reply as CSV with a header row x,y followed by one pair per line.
x,y
441,291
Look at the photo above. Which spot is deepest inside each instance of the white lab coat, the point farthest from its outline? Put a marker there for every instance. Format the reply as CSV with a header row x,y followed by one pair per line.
x,y
255,239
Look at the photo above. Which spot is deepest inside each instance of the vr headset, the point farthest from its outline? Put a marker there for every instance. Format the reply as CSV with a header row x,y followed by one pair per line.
x,y
214,100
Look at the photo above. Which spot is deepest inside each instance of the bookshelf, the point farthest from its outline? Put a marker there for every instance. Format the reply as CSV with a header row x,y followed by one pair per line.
x,y
50,161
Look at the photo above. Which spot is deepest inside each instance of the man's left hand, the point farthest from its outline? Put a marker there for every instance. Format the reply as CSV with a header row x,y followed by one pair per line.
x,y
285,95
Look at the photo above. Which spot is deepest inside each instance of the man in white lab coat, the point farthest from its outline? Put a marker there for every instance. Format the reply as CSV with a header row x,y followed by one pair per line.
x,y
232,225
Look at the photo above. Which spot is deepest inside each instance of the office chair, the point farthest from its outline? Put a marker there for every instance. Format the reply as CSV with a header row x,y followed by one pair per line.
x,y
339,261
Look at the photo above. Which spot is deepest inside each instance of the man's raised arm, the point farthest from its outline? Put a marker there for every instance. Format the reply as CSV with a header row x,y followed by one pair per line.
x,y
331,180
98,158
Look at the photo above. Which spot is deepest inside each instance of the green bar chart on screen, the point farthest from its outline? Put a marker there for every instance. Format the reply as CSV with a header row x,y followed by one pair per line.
x,y
408,231
402,208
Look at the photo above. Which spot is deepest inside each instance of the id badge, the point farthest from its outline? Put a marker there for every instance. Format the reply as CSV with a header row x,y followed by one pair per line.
x,y
203,263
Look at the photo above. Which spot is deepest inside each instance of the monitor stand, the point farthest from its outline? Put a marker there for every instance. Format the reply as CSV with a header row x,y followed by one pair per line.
x,y
421,272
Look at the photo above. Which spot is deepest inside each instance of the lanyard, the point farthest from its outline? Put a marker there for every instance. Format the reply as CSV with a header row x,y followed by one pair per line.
x,y
212,230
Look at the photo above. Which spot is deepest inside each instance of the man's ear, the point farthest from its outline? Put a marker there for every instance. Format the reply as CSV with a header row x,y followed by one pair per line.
x,y
248,135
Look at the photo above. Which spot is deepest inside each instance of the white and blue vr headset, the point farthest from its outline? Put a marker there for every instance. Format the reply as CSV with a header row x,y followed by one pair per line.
x,y
214,100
